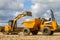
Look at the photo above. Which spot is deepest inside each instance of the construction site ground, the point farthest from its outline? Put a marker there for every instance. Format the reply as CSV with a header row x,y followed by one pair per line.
x,y
39,36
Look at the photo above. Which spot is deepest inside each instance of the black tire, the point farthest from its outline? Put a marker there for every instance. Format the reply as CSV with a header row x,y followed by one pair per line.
x,y
34,32
47,31
2,30
26,31
51,33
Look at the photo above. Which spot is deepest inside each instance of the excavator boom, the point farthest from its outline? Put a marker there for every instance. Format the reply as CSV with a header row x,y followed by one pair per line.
x,y
26,13
12,23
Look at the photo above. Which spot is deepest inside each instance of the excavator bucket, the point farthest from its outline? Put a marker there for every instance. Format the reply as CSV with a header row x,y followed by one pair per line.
x,y
27,13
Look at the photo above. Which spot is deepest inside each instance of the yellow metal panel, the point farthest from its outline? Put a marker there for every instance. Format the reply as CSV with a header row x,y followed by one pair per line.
x,y
29,24
7,28
54,25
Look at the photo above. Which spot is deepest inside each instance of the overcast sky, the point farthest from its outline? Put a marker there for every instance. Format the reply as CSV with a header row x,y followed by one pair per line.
x,y
9,9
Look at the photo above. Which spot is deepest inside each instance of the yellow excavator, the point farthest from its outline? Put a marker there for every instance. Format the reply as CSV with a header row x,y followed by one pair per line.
x,y
12,24
47,27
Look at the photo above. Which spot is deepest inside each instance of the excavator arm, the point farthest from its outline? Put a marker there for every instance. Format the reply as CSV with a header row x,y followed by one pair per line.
x,y
26,13
22,15
12,23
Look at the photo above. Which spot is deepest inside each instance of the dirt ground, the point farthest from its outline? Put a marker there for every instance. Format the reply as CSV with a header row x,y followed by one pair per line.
x,y
56,36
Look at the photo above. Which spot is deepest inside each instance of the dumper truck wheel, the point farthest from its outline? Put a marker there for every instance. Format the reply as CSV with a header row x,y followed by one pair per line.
x,y
34,32
47,31
26,31
51,33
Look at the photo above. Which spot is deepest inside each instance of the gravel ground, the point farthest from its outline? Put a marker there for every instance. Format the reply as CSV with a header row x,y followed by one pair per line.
x,y
56,36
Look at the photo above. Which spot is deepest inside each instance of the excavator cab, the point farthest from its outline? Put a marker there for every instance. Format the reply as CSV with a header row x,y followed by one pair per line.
x,y
10,22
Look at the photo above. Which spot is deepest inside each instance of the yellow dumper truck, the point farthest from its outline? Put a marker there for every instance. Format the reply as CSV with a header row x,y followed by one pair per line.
x,y
47,27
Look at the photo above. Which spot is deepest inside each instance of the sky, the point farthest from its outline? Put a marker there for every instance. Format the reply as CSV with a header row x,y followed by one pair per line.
x,y
9,9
